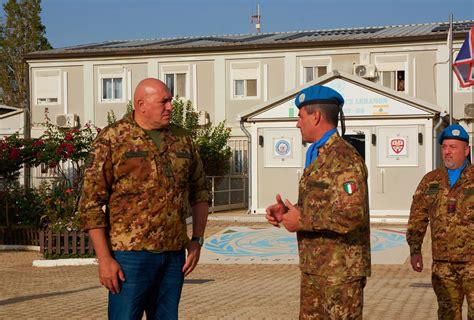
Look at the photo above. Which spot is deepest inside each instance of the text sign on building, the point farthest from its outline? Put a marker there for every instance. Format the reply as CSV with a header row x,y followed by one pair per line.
x,y
359,101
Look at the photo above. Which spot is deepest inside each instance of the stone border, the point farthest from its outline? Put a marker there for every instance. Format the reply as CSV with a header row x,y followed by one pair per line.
x,y
65,262
17,247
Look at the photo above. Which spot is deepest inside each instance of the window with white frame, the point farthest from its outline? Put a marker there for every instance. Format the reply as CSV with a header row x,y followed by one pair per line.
x,y
312,67
47,85
112,84
311,73
178,78
391,72
245,80
112,89
176,82
392,79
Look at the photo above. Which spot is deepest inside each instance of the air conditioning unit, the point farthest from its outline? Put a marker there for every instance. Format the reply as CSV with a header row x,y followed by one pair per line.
x,y
365,70
69,120
203,118
469,110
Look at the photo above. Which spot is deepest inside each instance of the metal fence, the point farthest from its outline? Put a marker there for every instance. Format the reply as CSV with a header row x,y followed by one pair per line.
x,y
228,192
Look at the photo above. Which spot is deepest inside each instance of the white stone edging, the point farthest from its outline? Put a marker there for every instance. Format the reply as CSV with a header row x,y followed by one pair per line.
x,y
5,247
65,262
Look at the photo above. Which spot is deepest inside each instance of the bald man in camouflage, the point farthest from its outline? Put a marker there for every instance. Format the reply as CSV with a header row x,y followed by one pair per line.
x,y
445,200
141,181
331,217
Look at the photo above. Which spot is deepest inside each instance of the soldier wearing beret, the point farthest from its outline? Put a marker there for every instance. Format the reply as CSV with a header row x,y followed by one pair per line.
x,y
141,181
445,199
331,217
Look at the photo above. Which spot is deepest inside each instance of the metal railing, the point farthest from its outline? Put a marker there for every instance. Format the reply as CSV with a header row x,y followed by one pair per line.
x,y
228,192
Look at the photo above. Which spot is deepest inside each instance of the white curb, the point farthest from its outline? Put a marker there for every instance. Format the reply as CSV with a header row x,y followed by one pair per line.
x,y
5,247
65,262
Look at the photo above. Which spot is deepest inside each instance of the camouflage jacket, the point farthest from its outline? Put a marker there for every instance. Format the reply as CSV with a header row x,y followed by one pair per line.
x,y
450,212
333,199
146,192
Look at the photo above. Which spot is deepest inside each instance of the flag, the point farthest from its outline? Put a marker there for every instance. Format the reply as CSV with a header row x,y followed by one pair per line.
x,y
463,66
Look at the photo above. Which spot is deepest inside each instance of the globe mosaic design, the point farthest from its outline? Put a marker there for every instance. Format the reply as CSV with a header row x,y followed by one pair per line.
x,y
277,242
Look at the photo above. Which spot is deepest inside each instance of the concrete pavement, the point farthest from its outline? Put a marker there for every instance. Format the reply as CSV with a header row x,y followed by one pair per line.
x,y
212,291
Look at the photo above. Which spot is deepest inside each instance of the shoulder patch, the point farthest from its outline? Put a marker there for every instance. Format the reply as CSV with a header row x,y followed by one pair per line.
x,y
349,187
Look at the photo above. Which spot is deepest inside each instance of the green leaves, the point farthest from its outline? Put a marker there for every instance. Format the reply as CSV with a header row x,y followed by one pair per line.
x,y
211,142
213,149
20,32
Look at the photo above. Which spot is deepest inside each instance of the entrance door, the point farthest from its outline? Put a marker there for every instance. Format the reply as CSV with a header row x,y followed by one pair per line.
x,y
280,165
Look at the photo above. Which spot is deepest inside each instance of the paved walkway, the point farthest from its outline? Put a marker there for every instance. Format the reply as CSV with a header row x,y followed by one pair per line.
x,y
212,291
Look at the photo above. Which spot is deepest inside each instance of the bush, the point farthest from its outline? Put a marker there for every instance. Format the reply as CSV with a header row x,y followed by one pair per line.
x,y
211,142
21,207
55,204
59,206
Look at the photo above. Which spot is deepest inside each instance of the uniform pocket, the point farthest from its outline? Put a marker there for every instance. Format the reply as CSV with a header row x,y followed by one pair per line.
x,y
134,166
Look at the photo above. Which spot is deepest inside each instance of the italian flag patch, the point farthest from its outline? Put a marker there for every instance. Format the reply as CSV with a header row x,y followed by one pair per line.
x,y
349,187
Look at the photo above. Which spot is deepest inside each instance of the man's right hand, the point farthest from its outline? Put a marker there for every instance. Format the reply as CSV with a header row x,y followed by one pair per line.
x,y
109,274
276,211
416,261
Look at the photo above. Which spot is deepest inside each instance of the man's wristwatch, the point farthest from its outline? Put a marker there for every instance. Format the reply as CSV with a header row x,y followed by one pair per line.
x,y
199,240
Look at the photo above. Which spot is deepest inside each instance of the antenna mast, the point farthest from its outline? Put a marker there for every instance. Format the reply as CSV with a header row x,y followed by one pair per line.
x,y
256,19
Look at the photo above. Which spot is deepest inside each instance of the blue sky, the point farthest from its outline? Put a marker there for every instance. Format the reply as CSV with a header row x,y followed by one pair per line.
x,y
72,22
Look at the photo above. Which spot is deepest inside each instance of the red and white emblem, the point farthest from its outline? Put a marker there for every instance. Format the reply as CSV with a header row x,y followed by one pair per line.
x,y
397,145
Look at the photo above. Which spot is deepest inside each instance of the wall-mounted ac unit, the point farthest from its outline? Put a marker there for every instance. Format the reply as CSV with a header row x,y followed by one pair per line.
x,y
469,110
365,70
203,118
69,120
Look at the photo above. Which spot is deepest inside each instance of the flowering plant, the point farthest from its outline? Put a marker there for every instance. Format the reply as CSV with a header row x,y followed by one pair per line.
x,y
62,150
12,157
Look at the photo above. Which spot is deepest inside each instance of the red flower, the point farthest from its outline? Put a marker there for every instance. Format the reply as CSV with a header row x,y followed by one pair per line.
x,y
98,129
69,148
68,136
14,154
38,143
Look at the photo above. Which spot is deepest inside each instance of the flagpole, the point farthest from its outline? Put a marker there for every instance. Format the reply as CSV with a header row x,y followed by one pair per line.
x,y
450,40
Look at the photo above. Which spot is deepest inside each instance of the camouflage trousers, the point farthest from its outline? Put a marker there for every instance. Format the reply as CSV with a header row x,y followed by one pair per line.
x,y
451,283
331,297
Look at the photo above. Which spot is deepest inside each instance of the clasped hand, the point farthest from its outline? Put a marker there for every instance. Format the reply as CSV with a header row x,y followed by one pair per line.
x,y
285,213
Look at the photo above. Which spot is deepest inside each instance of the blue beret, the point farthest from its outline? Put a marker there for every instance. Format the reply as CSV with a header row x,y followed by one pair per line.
x,y
318,94
454,131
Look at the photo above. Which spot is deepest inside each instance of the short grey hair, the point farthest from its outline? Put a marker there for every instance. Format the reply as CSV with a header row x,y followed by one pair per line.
x,y
329,111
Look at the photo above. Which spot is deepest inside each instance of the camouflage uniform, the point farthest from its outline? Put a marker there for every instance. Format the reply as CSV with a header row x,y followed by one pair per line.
x,y
334,244
450,212
147,191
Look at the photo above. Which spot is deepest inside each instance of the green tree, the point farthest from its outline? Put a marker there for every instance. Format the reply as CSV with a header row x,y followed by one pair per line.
x,y
21,31
185,116
210,141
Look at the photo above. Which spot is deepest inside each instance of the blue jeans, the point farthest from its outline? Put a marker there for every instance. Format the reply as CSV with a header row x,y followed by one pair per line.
x,y
153,283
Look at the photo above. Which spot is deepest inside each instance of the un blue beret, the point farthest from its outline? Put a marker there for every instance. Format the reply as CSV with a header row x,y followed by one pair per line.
x,y
318,94
454,131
